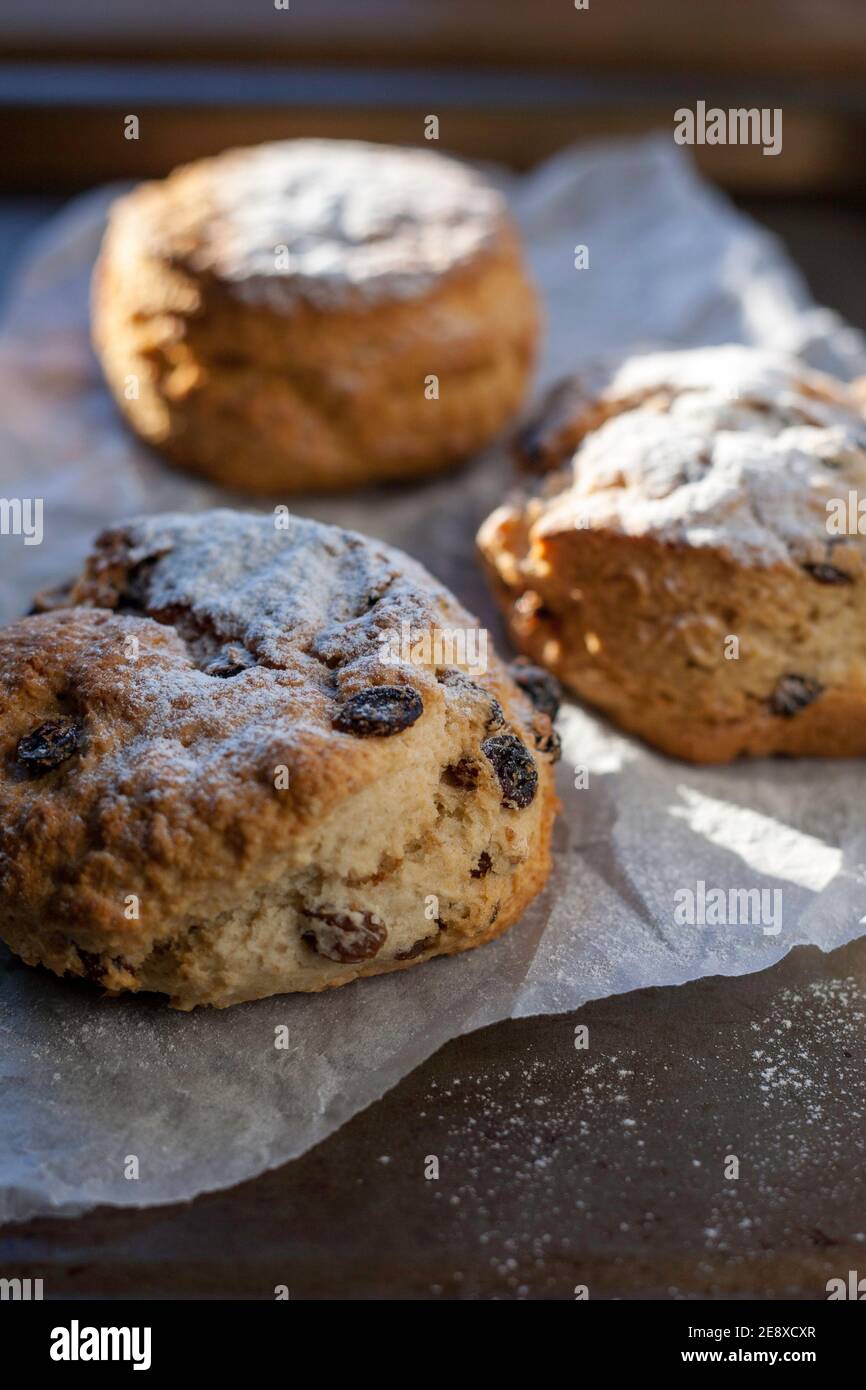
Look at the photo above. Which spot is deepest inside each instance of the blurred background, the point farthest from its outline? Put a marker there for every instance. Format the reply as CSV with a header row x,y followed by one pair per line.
x,y
514,80
508,81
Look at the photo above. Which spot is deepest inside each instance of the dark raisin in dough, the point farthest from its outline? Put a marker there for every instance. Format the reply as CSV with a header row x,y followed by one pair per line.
x,y
463,774
344,936
49,745
546,738
793,693
132,597
452,675
483,867
380,711
534,453
425,944
94,969
95,966
543,689
514,767
496,717
828,574
230,661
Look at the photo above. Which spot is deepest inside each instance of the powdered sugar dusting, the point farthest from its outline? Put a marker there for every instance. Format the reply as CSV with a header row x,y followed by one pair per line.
x,y
731,447
323,219
785,1069
604,1143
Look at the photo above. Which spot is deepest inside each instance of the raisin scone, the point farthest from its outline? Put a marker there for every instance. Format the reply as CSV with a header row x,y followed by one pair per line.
x,y
315,314
237,761
690,560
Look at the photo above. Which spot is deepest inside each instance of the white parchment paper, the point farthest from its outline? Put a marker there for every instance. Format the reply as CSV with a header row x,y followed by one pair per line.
x,y
204,1100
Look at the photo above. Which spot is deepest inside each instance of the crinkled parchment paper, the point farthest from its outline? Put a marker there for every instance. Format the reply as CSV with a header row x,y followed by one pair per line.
x,y
204,1099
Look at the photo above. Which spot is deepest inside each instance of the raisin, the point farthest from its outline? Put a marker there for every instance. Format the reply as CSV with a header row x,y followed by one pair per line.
x,y
483,867
463,774
543,689
230,661
828,574
374,594
49,745
453,676
344,936
793,693
381,711
546,738
94,970
418,949
514,768
534,451
132,597
95,967
496,716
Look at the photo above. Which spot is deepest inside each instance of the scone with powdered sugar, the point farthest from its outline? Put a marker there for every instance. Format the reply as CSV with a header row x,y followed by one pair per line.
x,y
315,314
693,559
237,760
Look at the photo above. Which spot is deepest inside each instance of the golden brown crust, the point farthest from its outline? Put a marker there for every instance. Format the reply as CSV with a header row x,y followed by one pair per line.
x,y
274,381
217,801
676,569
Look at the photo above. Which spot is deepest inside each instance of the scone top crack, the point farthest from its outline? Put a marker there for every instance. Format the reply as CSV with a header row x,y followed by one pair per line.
x,y
679,563
257,795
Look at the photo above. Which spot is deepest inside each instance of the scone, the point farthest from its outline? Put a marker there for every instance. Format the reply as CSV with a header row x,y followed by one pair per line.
x,y
315,314
692,560
237,760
